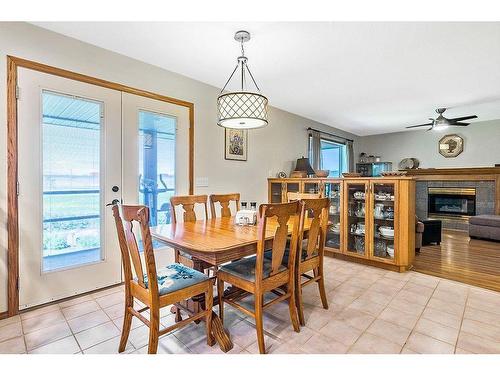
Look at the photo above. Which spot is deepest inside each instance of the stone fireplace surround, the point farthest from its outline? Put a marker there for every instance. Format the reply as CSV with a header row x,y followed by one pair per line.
x,y
486,181
485,199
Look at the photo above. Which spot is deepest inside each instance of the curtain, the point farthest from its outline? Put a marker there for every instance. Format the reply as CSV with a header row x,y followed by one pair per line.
x,y
350,155
315,149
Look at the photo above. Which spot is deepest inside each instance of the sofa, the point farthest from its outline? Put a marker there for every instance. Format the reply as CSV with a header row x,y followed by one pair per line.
x,y
485,226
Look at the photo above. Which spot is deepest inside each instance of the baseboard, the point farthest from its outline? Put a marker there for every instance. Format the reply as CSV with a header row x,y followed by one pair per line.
x,y
4,315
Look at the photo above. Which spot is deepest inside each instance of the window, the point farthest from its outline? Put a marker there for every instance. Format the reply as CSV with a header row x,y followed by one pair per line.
x,y
332,156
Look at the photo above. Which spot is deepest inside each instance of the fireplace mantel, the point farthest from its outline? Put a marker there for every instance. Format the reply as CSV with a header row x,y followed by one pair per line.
x,y
471,173
461,174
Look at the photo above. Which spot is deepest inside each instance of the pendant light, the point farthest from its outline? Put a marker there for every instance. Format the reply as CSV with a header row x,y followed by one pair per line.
x,y
242,109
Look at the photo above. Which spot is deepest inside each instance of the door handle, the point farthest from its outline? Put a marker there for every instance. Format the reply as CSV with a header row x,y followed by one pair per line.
x,y
113,202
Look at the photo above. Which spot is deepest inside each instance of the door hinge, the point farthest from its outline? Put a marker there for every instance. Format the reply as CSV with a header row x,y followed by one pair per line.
x,y
17,188
18,92
17,283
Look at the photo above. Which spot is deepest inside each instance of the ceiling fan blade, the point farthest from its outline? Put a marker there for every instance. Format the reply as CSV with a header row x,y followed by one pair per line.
x,y
460,124
418,126
456,119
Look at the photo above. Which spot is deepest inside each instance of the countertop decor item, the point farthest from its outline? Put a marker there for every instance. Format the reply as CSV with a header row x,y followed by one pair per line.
x,y
236,144
451,145
409,163
322,173
242,109
304,165
281,174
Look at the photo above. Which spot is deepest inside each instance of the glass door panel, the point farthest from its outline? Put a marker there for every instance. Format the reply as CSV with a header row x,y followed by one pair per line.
x,y
292,187
311,187
333,236
71,138
383,220
356,222
156,164
276,192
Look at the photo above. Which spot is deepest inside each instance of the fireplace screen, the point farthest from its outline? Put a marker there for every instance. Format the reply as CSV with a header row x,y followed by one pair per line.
x,y
456,202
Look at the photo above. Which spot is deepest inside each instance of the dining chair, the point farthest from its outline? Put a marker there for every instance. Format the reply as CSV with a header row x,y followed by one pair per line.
x,y
260,274
293,196
188,203
155,288
311,250
224,200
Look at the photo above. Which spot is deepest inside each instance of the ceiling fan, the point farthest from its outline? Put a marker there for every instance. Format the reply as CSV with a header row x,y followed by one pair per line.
x,y
442,122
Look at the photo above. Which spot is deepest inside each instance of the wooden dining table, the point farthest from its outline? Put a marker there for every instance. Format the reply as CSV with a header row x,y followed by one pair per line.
x,y
216,241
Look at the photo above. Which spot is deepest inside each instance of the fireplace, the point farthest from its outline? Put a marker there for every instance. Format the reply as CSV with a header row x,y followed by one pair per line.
x,y
451,202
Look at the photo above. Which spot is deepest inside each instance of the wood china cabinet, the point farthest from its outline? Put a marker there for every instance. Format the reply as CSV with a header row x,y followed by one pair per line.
x,y
372,220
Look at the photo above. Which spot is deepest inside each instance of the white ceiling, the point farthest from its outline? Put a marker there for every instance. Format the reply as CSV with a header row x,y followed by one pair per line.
x,y
366,78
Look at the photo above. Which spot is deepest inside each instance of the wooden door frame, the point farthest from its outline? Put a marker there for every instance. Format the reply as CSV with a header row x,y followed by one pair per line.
x,y
13,63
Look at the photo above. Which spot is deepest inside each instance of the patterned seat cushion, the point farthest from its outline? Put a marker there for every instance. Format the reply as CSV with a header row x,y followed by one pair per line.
x,y
176,276
245,268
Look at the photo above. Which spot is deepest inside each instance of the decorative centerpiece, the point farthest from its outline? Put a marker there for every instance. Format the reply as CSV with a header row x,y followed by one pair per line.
x,y
303,166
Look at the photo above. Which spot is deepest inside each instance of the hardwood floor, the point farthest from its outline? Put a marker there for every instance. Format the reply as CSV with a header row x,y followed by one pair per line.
x,y
459,258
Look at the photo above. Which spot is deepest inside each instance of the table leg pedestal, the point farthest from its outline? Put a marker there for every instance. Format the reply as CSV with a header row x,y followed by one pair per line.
x,y
197,304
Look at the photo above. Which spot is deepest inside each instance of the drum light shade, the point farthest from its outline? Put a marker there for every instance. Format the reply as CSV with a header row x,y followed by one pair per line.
x,y
242,109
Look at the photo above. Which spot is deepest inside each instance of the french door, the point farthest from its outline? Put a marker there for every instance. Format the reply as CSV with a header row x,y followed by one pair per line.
x,y
80,147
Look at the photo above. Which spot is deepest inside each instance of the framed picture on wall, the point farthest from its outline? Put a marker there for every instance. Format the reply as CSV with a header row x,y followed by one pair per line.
x,y
236,144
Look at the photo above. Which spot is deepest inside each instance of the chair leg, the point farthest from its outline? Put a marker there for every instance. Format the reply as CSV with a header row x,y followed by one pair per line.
x,y
298,302
154,329
321,286
209,302
220,294
292,306
259,323
127,323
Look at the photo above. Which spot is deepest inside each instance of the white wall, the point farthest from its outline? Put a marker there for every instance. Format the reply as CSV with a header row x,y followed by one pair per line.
x,y
271,149
481,146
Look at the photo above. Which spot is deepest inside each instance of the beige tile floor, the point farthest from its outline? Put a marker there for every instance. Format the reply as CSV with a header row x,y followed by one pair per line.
x,y
371,311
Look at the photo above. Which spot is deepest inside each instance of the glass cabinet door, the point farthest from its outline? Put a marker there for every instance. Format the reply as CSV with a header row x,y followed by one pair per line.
x,y
356,198
276,192
332,190
293,187
311,187
383,217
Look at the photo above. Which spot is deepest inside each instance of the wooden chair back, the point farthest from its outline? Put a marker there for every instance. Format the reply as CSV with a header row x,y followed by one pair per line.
x,y
188,203
224,200
315,210
139,214
292,196
282,213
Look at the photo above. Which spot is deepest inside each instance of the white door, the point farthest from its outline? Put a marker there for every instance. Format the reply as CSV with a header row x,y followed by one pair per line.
x,y
69,168
155,158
